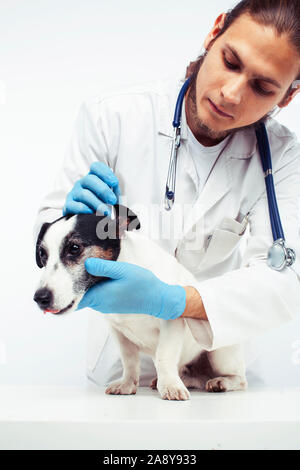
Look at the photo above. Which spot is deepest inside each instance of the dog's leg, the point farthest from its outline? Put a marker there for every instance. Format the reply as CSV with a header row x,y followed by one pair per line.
x,y
195,374
131,367
168,352
228,368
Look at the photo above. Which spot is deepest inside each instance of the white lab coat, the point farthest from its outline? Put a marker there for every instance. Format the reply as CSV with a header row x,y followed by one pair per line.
x,y
131,131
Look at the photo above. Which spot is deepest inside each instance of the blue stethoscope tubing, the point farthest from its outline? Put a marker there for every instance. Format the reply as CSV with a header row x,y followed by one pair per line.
x,y
171,178
279,256
265,154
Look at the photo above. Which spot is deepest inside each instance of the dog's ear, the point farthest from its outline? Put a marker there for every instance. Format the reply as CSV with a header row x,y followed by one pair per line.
x,y
126,220
40,237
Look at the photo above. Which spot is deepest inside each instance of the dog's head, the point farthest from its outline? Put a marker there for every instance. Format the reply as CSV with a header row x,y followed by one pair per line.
x,y
63,246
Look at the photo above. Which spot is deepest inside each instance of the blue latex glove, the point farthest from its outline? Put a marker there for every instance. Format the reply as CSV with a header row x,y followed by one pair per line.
x,y
92,192
131,289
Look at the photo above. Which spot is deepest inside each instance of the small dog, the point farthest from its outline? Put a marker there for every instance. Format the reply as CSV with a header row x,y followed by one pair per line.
x,y
180,361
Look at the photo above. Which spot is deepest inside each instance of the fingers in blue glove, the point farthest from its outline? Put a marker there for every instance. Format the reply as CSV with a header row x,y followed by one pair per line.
x,y
74,207
105,174
106,268
93,192
98,187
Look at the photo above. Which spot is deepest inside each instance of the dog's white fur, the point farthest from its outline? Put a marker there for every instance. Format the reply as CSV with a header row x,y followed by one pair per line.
x,y
170,343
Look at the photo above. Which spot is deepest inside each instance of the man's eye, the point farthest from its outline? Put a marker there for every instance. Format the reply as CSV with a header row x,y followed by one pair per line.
x,y
229,65
74,249
261,90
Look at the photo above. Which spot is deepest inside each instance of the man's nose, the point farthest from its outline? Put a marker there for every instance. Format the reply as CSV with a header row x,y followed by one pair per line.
x,y
233,90
43,297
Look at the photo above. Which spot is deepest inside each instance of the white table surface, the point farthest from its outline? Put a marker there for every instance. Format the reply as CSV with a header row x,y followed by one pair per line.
x,y
86,418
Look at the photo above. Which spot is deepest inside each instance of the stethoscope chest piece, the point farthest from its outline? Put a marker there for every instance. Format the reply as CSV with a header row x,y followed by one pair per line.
x,y
279,256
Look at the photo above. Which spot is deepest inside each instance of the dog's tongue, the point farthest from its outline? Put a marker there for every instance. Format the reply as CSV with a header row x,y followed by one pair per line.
x,y
50,311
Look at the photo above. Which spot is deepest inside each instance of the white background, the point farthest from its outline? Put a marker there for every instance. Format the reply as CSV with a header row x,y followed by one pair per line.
x,y
53,55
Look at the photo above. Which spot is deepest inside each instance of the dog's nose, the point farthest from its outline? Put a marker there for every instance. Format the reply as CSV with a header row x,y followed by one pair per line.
x,y
43,297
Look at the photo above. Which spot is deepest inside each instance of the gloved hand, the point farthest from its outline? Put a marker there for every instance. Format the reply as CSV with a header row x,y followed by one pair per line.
x,y
91,192
131,289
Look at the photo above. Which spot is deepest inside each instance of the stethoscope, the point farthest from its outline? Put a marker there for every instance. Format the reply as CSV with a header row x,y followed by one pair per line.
x,y
279,256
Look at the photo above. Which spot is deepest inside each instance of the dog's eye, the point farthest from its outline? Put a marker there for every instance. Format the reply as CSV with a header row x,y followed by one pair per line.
x,y
74,249
43,255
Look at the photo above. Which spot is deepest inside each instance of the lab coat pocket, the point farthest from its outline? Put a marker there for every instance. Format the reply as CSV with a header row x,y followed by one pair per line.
x,y
223,242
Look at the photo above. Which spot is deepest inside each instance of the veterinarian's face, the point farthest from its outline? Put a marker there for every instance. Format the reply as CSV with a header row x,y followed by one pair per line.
x,y
64,281
246,73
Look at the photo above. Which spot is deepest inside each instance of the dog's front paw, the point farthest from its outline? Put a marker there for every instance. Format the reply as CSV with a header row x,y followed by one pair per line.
x,y
121,388
173,389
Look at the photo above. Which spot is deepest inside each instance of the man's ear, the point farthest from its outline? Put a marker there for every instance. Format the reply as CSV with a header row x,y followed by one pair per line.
x,y
40,237
126,220
217,28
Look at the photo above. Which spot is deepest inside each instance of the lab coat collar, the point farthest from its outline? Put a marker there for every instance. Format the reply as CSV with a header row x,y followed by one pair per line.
x,y
241,146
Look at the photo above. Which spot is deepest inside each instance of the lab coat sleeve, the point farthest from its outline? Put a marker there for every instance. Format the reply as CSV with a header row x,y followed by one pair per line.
x,y
247,302
89,143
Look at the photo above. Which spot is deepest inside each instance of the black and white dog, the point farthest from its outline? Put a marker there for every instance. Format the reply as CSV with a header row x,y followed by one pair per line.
x,y
180,361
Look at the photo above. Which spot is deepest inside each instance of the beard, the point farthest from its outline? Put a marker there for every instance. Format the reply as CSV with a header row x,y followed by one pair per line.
x,y
198,125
